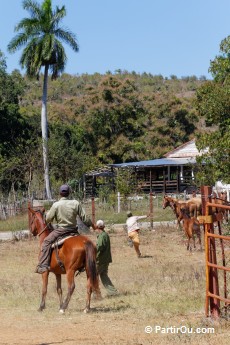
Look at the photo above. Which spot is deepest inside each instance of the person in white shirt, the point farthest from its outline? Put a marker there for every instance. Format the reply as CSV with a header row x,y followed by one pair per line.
x,y
133,230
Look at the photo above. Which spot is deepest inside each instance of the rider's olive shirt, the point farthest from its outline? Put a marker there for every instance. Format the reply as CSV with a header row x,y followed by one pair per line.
x,y
65,213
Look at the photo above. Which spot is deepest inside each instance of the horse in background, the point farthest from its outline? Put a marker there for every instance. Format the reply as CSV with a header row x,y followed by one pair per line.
x,y
191,225
175,206
77,253
220,199
191,228
193,207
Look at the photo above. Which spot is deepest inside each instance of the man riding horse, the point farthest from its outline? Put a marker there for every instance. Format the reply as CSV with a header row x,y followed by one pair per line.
x,y
65,213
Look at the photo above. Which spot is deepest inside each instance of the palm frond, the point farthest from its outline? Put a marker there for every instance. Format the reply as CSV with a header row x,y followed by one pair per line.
x,y
67,37
26,24
58,15
30,60
61,59
17,42
32,7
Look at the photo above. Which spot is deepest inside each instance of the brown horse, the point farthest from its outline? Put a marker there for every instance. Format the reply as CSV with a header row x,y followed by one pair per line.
x,y
191,228
77,253
175,206
191,225
221,200
192,207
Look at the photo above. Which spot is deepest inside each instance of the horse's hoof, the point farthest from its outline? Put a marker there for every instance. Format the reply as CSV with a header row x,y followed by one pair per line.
x,y
62,311
41,308
86,310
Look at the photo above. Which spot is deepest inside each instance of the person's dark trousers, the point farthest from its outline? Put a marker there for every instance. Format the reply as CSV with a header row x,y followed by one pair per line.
x,y
102,270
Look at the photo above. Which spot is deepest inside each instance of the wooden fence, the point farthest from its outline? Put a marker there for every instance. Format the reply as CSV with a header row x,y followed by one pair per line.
x,y
217,258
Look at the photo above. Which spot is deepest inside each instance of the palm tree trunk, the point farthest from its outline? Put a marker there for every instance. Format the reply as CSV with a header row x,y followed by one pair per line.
x,y
44,125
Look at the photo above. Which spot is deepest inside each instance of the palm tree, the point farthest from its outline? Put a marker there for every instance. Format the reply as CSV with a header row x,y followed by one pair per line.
x,y
41,35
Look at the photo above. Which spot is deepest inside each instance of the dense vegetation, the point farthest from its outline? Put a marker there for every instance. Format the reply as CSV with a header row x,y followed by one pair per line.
x,y
120,117
213,104
98,119
93,120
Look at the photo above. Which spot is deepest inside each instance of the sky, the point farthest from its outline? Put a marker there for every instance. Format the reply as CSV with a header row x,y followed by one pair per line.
x,y
166,37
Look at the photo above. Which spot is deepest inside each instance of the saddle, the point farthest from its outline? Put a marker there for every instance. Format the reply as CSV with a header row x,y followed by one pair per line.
x,y
60,240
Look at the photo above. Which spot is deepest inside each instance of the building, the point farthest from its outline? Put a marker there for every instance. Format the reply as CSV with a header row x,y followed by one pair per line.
x,y
174,173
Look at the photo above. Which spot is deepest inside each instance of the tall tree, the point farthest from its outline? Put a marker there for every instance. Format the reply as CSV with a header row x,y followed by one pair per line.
x,y
213,104
15,131
42,37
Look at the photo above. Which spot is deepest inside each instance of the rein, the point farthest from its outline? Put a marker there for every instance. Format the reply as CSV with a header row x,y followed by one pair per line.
x,y
43,230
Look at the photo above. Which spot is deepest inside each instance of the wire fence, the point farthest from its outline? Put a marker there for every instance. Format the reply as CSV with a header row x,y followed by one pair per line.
x,y
8,210
113,210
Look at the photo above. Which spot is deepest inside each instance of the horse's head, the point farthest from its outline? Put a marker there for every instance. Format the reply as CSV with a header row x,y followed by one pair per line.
x,y
36,221
166,201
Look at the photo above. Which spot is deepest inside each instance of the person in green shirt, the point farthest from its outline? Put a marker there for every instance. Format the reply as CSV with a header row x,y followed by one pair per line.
x,y
104,257
65,212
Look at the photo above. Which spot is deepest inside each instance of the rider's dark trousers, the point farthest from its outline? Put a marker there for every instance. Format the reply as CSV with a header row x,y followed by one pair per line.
x,y
44,259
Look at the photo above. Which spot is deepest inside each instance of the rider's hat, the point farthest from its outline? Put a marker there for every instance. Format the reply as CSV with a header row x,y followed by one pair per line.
x,y
64,188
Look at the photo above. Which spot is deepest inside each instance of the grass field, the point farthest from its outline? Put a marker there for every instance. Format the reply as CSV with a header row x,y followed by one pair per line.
x,y
164,290
102,211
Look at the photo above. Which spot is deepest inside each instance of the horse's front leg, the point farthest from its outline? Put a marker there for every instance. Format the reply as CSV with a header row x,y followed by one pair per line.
x,y
179,227
71,287
194,241
199,238
59,289
178,224
45,276
88,296
188,243
200,242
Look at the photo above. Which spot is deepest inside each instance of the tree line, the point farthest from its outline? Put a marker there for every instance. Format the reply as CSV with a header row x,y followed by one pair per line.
x,y
88,121
93,121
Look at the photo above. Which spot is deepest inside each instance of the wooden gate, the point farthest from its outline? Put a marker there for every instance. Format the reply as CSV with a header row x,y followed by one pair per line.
x,y
217,257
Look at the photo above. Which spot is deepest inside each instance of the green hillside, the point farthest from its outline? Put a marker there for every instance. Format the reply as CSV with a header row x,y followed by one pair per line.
x,y
119,117
93,120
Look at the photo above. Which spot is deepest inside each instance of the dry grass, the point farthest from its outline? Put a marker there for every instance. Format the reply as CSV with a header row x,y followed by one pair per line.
x,y
164,288
102,211
16,223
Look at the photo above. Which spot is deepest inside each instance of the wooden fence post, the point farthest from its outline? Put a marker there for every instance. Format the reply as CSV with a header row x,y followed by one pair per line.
x,y
118,202
93,210
151,209
212,284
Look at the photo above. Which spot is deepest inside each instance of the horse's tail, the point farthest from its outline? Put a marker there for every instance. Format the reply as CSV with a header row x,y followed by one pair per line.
x,y
91,265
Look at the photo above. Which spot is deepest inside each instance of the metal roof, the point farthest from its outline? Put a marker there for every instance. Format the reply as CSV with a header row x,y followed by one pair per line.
x,y
186,150
157,162
102,171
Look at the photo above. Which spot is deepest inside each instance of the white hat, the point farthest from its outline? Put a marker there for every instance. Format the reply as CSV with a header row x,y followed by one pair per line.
x,y
100,224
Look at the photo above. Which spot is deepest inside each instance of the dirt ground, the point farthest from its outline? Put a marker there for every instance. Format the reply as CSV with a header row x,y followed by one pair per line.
x,y
73,328
121,319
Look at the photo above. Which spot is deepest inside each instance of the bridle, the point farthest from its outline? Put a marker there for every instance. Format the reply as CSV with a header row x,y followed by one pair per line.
x,y
167,203
32,221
